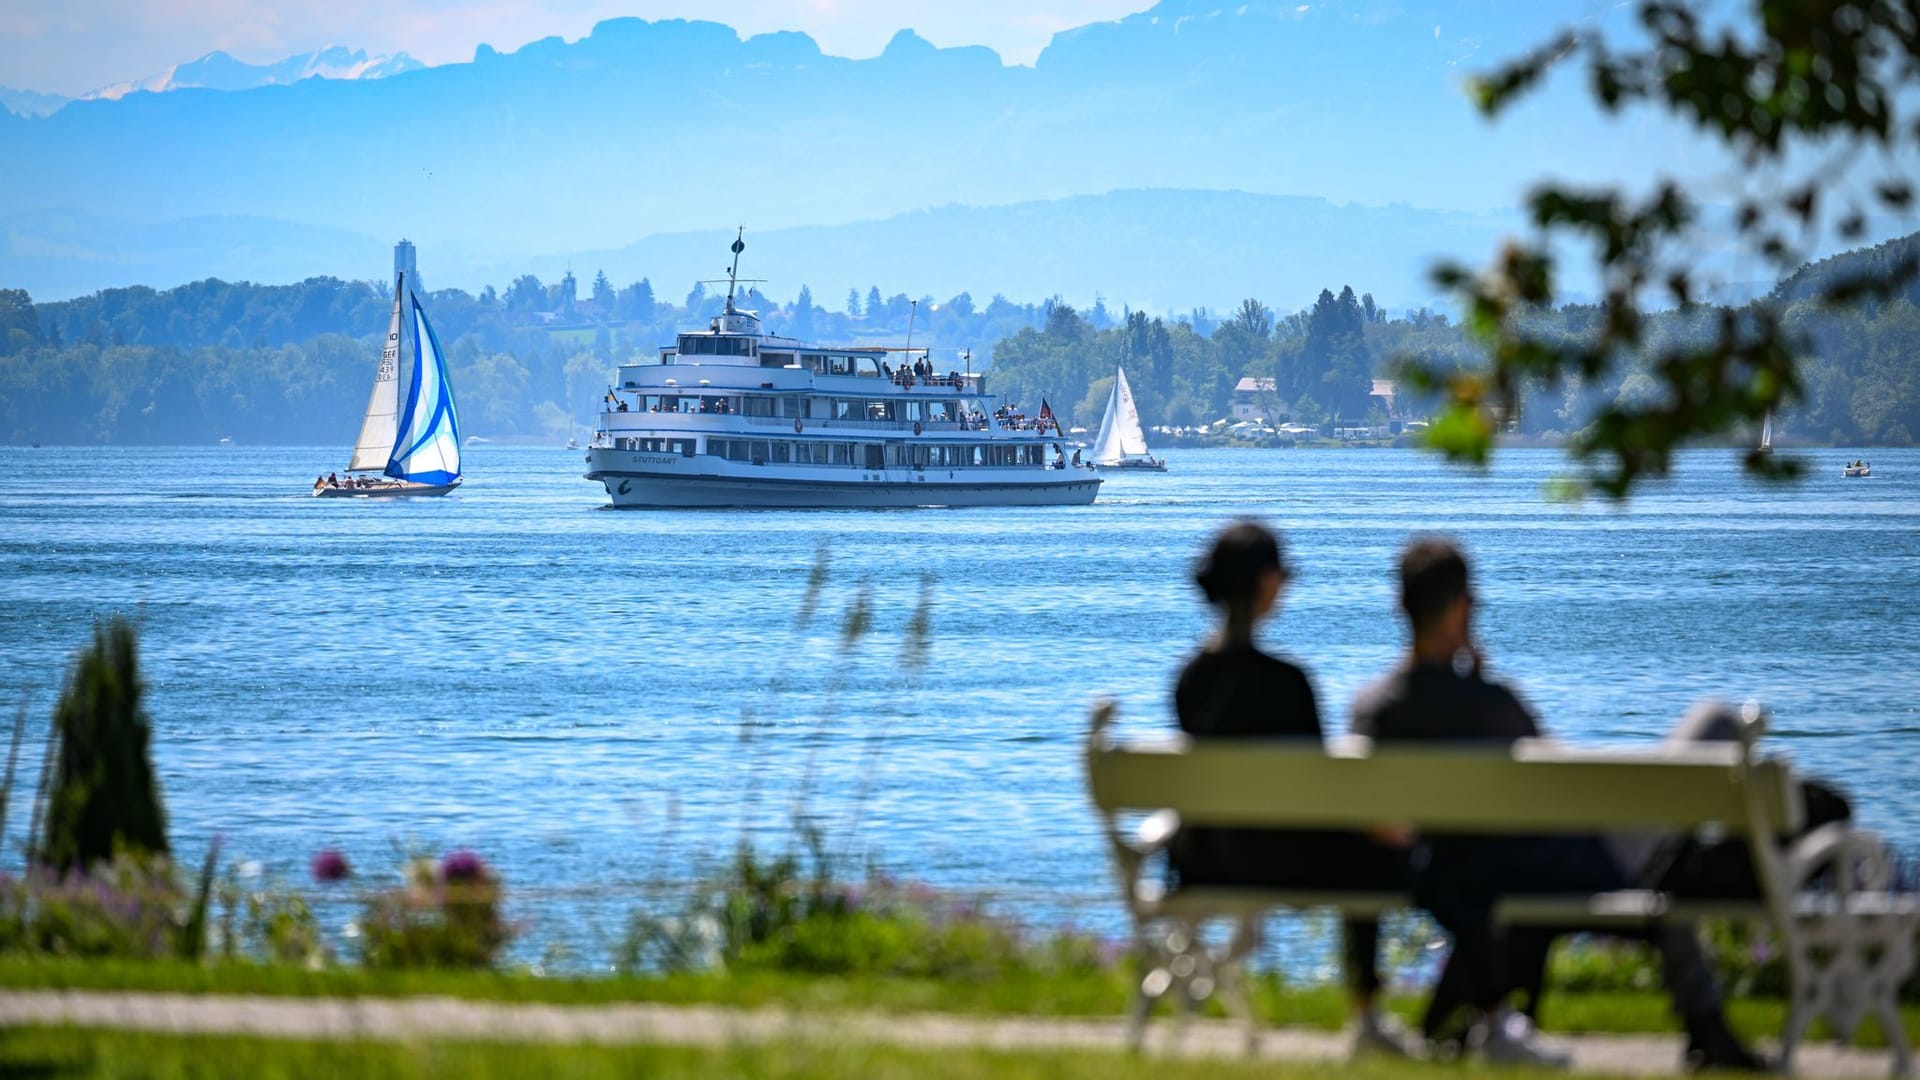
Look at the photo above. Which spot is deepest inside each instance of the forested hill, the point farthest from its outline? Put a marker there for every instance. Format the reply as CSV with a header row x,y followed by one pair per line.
x,y
290,364
1860,379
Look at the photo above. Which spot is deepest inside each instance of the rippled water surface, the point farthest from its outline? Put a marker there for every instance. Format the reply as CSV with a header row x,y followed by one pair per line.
x,y
596,700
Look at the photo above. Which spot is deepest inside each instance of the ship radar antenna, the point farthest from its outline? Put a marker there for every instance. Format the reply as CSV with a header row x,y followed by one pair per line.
x,y
733,272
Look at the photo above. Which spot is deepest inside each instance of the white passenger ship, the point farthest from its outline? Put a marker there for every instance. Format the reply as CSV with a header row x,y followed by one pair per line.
x,y
730,416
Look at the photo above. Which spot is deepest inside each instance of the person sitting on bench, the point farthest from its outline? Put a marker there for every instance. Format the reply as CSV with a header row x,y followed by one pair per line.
x,y
1231,689
1439,694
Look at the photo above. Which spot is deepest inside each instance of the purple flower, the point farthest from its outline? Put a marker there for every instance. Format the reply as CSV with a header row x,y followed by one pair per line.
x,y
330,866
463,867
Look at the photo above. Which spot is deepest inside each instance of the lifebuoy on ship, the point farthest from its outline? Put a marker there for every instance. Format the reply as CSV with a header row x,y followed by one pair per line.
x,y
916,427
798,427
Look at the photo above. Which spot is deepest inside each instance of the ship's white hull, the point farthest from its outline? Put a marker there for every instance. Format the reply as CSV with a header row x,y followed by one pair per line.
x,y
634,485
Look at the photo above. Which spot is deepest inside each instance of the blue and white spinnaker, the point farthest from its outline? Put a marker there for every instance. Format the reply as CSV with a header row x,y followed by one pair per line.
x,y
427,449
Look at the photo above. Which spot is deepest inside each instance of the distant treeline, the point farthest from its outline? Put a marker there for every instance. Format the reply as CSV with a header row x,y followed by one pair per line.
x,y
291,364
1861,378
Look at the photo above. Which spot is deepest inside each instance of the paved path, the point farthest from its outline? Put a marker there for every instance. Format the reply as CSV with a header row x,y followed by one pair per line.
x,y
705,1025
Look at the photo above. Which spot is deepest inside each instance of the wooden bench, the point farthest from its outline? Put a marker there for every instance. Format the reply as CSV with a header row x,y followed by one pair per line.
x,y
1847,944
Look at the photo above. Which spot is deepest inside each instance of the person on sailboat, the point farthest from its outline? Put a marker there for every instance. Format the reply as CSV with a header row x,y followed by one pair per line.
x,y
1232,689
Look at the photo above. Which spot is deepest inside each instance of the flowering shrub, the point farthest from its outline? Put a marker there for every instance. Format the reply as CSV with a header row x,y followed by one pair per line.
x,y
127,907
442,916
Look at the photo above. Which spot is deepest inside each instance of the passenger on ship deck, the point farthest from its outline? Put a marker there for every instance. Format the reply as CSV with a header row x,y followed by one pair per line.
x,y
333,480
623,405
1232,689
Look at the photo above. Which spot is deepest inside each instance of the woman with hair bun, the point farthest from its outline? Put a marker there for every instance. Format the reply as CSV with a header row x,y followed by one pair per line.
x,y
1232,689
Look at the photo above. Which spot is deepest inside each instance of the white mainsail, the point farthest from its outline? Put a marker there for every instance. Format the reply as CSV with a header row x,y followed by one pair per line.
x,y
377,431
1766,432
1121,435
427,449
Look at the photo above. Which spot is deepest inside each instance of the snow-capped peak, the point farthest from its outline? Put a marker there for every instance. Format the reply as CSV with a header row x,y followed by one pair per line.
x,y
219,71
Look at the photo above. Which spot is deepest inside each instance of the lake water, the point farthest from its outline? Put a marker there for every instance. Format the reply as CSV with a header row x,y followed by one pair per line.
x,y
599,701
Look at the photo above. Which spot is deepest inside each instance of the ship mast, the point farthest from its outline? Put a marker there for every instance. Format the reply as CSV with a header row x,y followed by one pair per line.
x,y
733,272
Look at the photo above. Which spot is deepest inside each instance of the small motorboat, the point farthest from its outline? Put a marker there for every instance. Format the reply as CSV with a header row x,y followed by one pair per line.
x,y
1858,468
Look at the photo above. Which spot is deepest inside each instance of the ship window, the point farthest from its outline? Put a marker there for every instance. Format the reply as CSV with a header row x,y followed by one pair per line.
x,y
879,410
717,447
840,365
844,408
813,361
842,455
793,406
782,453
667,356
757,406
738,449
775,359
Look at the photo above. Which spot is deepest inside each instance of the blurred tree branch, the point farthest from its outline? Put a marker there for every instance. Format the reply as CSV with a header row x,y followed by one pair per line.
x,y
1776,83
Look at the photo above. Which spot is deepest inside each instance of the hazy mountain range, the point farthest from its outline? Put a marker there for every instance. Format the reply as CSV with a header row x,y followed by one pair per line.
x,y
219,71
1295,142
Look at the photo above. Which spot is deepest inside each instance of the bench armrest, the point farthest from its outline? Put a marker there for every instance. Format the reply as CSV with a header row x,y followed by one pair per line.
x,y
1856,858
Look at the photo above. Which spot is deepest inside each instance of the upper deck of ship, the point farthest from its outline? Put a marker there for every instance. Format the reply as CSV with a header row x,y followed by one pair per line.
x,y
733,353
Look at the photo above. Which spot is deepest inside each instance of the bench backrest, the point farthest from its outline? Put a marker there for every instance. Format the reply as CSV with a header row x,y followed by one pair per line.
x,y
1533,787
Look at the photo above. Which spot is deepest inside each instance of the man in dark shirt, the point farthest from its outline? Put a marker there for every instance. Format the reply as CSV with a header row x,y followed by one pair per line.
x,y
1439,694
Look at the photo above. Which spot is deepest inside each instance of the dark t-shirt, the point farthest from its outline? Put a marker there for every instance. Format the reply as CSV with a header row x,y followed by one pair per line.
x,y
1433,702
1244,693
1465,874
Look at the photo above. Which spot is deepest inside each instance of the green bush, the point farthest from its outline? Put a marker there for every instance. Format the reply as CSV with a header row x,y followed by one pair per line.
x,y
103,798
767,915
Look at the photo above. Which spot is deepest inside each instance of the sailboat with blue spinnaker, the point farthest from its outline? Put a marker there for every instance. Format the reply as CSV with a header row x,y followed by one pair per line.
x,y
415,451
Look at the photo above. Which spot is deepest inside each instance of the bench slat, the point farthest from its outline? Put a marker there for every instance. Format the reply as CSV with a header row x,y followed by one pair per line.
x,y
1531,789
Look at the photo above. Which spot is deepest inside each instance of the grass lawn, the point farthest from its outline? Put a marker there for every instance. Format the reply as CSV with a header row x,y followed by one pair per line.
x,y
62,1052
1065,995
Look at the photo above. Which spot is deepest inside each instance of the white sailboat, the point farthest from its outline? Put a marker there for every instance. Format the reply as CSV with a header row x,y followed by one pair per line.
x,y
1766,434
1122,442
422,455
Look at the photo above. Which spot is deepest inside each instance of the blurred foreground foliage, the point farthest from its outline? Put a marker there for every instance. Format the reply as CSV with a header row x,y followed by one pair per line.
x,y
1814,100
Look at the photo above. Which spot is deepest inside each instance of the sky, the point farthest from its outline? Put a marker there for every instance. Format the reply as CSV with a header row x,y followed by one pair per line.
x,y
73,46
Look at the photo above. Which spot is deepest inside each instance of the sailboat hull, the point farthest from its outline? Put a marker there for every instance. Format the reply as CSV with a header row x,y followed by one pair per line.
x,y
383,489
1132,465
